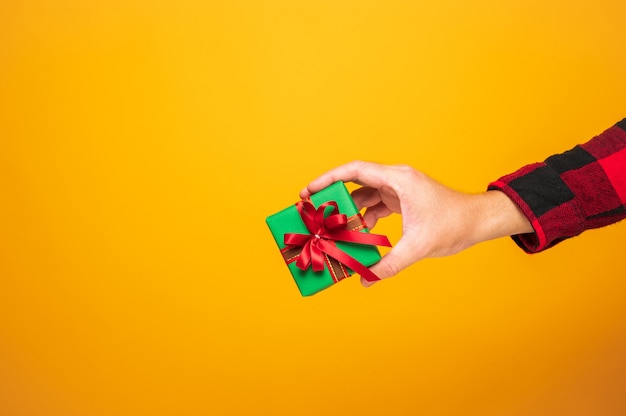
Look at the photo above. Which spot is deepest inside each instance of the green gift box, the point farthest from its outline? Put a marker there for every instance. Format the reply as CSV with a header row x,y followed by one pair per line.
x,y
291,220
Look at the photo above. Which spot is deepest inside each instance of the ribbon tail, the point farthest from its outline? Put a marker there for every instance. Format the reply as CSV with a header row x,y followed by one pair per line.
x,y
317,257
304,260
349,261
360,238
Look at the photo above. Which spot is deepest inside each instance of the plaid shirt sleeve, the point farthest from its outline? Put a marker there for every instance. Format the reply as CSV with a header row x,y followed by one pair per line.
x,y
571,192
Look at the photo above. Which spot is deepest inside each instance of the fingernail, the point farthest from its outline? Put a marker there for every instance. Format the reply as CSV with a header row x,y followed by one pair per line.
x,y
366,284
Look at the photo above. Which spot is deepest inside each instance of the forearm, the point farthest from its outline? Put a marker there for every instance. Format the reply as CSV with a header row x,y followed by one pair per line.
x,y
494,215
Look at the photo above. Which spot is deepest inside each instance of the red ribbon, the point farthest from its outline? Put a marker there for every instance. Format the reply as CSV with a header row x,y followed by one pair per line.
x,y
325,229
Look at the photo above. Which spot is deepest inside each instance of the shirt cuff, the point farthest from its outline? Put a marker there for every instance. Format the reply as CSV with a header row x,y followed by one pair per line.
x,y
582,188
525,188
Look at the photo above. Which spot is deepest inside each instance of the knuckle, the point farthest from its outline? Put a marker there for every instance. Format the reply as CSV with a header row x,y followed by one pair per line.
x,y
414,174
407,170
356,166
403,166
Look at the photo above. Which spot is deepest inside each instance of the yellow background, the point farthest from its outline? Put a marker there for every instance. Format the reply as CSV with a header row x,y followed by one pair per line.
x,y
143,143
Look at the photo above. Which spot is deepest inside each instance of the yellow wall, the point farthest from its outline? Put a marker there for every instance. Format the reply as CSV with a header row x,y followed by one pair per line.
x,y
142,144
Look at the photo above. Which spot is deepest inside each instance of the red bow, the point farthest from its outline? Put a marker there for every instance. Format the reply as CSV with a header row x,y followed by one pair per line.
x,y
324,231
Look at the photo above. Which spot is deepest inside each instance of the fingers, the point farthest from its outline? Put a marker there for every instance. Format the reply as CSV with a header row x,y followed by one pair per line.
x,y
362,173
365,197
374,213
399,258
378,182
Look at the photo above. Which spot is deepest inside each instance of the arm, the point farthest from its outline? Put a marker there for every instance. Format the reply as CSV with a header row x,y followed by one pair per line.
x,y
540,204
436,220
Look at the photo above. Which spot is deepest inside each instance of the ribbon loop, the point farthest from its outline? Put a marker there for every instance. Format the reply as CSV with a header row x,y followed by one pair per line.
x,y
324,231
336,221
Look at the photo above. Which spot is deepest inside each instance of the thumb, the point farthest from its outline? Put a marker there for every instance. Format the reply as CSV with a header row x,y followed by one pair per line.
x,y
392,263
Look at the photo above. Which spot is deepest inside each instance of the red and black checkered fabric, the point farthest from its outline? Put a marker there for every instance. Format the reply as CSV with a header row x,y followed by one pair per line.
x,y
569,193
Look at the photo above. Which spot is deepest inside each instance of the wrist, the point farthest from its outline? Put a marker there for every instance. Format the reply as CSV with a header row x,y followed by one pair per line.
x,y
495,215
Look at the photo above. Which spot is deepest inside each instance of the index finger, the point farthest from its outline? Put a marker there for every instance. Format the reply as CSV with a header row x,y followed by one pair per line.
x,y
362,173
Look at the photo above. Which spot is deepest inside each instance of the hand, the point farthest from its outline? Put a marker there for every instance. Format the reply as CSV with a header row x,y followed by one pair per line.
x,y
436,220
